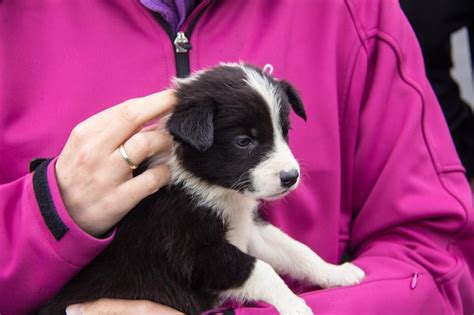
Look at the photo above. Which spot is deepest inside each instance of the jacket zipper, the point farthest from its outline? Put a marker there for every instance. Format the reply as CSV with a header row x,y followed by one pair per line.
x,y
182,46
180,41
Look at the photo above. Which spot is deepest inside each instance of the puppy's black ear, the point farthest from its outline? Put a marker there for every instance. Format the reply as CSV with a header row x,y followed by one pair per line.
x,y
294,99
192,123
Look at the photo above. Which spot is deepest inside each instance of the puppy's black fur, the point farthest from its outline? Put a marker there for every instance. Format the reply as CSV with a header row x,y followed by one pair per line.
x,y
170,248
164,253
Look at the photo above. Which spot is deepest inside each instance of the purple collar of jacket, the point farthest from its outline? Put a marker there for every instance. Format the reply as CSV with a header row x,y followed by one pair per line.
x,y
173,11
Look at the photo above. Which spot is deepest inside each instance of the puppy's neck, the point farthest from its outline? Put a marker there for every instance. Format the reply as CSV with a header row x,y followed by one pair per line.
x,y
224,201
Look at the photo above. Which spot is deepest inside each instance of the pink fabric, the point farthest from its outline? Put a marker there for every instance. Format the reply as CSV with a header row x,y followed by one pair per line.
x,y
380,174
29,270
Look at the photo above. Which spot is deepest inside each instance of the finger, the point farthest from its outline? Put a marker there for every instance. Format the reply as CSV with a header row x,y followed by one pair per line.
x,y
141,146
121,121
137,188
135,113
120,307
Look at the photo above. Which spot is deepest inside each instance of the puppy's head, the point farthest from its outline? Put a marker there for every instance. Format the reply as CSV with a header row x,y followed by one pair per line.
x,y
231,126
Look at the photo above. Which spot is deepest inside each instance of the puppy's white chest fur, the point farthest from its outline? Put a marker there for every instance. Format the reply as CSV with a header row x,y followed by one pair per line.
x,y
240,222
236,209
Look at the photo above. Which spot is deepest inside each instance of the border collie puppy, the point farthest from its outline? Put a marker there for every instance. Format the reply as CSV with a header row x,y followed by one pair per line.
x,y
199,241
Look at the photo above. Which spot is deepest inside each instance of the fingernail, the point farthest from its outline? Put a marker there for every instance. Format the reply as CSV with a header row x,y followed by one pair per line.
x,y
75,309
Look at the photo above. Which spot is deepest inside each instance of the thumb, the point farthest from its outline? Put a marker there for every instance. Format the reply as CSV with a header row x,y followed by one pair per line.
x,y
120,307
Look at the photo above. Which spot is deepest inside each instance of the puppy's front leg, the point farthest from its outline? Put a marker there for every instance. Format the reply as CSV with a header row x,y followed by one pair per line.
x,y
225,268
293,258
265,284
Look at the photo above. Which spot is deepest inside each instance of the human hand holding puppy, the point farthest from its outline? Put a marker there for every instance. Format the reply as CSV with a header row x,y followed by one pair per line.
x,y
97,185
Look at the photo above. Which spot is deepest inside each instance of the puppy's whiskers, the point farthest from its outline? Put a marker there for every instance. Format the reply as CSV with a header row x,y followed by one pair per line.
x,y
239,184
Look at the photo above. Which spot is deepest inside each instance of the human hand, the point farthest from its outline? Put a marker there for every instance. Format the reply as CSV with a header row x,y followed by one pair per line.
x,y
96,183
120,307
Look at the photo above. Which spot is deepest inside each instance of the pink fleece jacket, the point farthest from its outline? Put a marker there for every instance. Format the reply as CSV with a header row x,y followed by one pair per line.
x,y
381,179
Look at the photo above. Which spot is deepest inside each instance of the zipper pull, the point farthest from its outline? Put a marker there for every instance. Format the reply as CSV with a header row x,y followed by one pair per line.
x,y
414,280
181,43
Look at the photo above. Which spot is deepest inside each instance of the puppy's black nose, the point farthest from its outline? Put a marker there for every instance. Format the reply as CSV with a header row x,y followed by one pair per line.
x,y
289,178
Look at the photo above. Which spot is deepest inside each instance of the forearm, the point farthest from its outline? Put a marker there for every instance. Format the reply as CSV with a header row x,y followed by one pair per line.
x,y
39,259
386,290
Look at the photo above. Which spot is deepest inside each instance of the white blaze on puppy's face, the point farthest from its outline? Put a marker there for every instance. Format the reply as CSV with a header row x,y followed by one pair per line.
x,y
267,177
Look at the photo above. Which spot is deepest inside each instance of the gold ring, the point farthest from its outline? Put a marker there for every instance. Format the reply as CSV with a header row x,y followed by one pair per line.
x,y
125,156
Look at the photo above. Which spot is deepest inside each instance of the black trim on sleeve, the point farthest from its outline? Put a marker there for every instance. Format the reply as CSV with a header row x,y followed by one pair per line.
x,y
45,202
34,163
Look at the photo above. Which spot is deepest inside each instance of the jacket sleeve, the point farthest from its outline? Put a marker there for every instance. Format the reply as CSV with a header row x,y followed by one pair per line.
x,y
42,247
411,201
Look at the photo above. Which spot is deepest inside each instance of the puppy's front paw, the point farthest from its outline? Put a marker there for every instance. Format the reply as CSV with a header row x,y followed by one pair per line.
x,y
295,306
339,276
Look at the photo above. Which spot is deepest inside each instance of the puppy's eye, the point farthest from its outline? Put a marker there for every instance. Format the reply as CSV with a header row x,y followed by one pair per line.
x,y
243,141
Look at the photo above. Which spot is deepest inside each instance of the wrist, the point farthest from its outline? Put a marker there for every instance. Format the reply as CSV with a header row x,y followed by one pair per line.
x,y
67,239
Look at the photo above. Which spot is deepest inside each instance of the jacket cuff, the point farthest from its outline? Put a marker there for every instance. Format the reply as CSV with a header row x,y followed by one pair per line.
x,y
70,242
